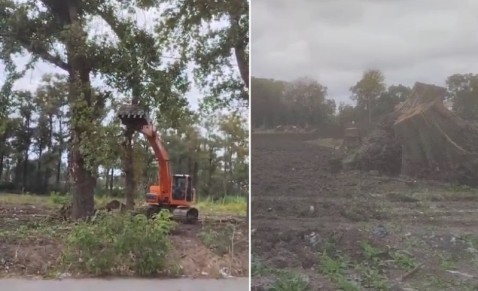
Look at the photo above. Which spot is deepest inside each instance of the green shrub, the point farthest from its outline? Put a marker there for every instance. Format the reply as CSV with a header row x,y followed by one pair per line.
x,y
120,245
58,198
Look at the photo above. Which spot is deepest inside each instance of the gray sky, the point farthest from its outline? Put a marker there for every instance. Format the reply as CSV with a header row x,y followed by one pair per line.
x,y
334,41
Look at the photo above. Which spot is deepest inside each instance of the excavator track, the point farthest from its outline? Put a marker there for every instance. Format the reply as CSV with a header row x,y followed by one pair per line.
x,y
180,214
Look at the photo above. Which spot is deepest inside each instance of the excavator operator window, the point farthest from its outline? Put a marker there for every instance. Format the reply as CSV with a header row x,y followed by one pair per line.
x,y
179,190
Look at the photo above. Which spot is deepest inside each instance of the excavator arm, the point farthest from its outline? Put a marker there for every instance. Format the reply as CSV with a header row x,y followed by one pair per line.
x,y
137,119
164,175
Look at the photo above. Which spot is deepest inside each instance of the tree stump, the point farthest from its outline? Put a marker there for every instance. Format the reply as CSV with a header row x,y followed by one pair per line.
x,y
435,142
422,139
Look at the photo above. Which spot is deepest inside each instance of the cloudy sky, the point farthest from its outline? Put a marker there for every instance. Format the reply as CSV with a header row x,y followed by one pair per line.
x,y
334,41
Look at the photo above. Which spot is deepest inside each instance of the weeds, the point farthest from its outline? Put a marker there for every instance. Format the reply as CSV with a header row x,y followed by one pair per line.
x,y
218,240
404,260
58,198
284,281
235,205
288,281
335,269
117,244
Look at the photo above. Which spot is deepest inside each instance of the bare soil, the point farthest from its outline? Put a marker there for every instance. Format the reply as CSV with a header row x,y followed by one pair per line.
x,y
383,234
34,245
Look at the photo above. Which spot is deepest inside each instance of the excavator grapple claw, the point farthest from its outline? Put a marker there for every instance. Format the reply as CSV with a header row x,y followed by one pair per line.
x,y
133,115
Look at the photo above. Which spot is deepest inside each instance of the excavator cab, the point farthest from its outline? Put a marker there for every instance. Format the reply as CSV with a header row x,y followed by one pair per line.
x,y
183,188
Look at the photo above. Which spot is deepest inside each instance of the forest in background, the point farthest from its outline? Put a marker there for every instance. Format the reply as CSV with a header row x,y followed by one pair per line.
x,y
305,103
64,137
34,148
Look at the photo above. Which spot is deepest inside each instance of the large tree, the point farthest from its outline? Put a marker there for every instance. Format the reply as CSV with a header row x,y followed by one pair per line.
x,y
267,97
390,98
463,92
134,66
368,90
55,31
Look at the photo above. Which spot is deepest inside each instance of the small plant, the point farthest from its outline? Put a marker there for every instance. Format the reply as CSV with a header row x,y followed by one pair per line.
x,y
371,277
290,282
446,262
118,244
258,267
404,260
58,198
370,252
332,266
218,240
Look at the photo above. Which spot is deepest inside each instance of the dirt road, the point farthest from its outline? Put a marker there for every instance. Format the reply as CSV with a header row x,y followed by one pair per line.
x,y
241,284
355,231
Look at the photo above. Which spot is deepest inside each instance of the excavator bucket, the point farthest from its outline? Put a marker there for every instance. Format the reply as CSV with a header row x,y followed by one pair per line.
x,y
133,115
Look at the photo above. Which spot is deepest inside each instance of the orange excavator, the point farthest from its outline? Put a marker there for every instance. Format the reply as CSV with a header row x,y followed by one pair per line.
x,y
173,192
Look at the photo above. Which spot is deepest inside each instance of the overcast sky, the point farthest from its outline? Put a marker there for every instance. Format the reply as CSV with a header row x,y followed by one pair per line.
x,y
334,41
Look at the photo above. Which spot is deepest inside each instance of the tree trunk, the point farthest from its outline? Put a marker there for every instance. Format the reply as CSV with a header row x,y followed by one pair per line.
x,y
60,153
240,38
369,112
40,177
112,180
243,64
25,170
83,117
128,167
107,179
195,174
1,166
210,172
48,170
83,199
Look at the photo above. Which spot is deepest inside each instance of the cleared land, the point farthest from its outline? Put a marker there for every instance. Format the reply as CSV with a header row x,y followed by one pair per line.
x,y
313,229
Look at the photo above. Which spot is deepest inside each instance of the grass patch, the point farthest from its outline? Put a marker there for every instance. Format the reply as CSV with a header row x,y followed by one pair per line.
x,y
120,245
218,239
363,210
52,200
29,199
234,205
289,281
335,269
368,273
32,229
284,280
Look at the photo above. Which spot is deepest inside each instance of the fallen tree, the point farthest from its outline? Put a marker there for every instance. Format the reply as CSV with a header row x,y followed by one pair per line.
x,y
423,139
